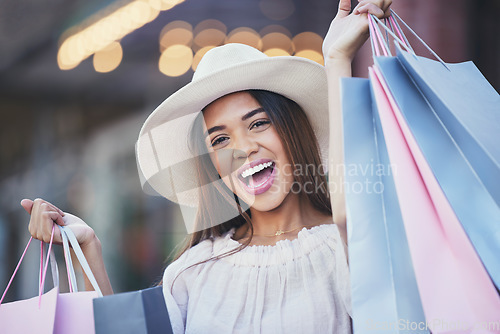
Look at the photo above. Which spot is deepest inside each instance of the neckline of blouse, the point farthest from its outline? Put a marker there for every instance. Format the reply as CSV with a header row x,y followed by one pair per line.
x,y
283,251
299,235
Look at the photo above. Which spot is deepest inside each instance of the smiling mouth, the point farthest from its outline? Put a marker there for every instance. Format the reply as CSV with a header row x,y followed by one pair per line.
x,y
257,176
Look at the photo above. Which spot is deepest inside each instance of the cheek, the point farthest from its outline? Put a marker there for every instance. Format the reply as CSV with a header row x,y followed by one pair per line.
x,y
222,161
284,163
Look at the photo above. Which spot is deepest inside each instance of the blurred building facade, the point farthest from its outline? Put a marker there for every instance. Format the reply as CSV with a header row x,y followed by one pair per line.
x,y
68,133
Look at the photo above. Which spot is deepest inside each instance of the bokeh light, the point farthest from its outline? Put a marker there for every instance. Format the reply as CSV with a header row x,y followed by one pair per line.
x,y
275,28
107,59
312,55
275,52
245,35
176,32
176,60
277,40
79,43
307,41
209,33
163,4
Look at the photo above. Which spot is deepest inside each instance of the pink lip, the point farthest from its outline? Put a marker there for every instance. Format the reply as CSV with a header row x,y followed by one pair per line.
x,y
264,186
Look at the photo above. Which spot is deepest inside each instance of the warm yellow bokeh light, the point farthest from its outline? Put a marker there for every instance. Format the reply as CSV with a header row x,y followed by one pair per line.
x,y
312,55
176,32
163,4
176,60
209,33
210,24
275,28
246,36
139,13
209,37
175,25
308,41
107,59
277,40
80,43
199,54
276,52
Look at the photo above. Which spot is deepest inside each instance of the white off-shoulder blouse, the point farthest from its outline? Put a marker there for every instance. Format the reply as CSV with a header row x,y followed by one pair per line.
x,y
296,286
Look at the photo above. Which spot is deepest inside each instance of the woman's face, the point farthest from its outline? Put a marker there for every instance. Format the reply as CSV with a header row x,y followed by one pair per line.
x,y
247,151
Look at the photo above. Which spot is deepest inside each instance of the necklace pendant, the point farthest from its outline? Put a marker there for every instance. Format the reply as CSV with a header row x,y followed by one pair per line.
x,y
279,232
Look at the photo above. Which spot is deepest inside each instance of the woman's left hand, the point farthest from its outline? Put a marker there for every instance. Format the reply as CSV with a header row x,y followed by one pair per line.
x,y
348,32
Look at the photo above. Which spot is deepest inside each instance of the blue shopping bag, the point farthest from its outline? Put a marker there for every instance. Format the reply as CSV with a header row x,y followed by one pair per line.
x,y
135,312
467,193
469,108
385,296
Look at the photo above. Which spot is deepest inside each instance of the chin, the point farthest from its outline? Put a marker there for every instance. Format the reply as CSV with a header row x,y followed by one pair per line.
x,y
266,205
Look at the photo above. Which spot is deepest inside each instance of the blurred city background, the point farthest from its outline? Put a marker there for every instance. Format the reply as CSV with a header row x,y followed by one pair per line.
x,y
79,77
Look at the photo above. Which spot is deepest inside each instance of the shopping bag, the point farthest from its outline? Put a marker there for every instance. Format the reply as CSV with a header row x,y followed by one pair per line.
x,y
455,288
52,312
74,311
469,108
380,262
459,178
136,312
34,315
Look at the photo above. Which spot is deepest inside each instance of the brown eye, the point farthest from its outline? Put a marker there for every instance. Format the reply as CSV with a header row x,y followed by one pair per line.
x,y
260,124
219,141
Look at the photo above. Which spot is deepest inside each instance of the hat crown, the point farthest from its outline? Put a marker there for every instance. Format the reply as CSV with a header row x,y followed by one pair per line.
x,y
223,57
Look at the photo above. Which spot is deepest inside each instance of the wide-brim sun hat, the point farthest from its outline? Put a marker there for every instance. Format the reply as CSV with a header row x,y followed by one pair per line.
x,y
165,162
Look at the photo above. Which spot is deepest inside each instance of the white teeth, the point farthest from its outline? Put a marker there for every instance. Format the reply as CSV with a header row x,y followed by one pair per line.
x,y
258,168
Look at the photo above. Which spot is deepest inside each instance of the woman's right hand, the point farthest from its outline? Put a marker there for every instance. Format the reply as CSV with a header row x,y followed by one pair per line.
x,y
43,216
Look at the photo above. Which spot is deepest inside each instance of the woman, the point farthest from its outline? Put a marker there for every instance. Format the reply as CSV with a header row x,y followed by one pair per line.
x,y
266,253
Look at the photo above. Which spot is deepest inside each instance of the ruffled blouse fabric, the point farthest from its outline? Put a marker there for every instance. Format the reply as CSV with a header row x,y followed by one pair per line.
x,y
296,286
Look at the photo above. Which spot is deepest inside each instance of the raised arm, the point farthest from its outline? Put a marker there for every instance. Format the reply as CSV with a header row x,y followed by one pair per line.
x,y
44,215
347,33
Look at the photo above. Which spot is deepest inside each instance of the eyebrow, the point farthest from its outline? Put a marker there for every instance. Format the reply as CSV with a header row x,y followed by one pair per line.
x,y
248,115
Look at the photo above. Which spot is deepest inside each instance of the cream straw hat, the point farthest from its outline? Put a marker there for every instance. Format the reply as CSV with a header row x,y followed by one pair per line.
x,y
165,162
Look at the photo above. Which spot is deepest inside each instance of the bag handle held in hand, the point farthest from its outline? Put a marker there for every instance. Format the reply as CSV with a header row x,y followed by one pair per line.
x,y
43,270
53,266
79,254
73,287
66,235
374,31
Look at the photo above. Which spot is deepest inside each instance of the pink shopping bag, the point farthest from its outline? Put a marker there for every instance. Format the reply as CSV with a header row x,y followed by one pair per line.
x,y
51,312
34,315
74,311
30,316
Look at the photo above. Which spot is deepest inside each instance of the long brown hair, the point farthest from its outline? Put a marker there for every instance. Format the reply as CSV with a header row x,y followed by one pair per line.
x,y
289,120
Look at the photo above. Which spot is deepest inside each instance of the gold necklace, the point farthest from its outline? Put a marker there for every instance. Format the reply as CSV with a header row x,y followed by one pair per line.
x,y
280,232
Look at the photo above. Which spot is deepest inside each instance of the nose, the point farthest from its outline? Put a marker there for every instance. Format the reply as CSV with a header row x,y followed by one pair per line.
x,y
244,146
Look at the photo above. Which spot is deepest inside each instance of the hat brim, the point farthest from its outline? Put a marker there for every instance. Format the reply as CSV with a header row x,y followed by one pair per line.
x,y
159,147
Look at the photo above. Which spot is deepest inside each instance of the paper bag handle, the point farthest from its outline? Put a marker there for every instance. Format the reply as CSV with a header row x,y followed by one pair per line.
x,y
375,32
69,264
43,271
79,254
